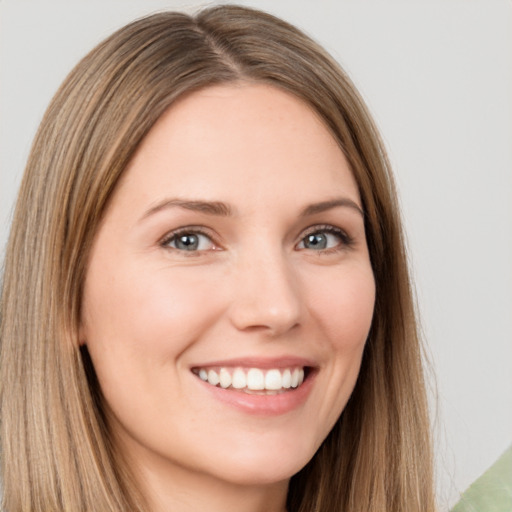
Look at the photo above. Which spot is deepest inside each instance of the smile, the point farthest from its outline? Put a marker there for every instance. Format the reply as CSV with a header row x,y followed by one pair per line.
x,y
253,380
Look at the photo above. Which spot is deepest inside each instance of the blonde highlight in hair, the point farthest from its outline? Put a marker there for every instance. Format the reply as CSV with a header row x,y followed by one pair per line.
x,y
57,452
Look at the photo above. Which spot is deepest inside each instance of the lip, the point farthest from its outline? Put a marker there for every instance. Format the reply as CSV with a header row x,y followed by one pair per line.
x,y
259,362
262,404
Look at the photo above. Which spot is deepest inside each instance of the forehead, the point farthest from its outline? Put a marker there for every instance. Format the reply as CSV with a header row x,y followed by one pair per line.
x,y
239,140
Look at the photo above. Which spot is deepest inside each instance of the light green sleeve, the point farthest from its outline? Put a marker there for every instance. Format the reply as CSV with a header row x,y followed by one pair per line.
x,y
492,492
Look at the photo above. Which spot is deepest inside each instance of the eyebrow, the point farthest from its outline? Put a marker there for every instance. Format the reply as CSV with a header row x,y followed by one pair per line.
x,y
221,209
323,206
209,207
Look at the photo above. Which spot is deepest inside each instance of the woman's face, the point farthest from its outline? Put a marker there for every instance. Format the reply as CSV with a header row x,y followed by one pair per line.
x,y
231,264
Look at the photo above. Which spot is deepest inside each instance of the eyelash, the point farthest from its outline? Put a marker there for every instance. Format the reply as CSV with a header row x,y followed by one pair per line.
x,y
346,241
189,230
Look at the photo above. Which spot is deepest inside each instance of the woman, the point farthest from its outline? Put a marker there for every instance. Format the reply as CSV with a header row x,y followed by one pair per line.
x,y
206,300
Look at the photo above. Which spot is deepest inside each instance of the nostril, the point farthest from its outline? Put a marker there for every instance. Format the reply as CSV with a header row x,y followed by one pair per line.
x,y
256,316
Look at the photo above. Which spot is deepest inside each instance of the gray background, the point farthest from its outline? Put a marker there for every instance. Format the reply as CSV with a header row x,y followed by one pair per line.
x,y
438,77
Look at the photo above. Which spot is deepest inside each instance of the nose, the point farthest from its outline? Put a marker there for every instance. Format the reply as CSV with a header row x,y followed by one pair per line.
x,y
266,295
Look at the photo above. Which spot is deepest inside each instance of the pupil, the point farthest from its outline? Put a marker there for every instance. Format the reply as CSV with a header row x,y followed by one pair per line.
x,y
316,241
187,242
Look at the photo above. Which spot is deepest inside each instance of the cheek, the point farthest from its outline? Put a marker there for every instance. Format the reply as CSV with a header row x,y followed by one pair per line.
x,y
137,324
344,306
341,306
154,313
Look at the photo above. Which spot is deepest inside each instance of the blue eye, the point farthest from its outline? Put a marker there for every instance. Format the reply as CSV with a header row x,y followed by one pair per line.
x,y
189,241
324,239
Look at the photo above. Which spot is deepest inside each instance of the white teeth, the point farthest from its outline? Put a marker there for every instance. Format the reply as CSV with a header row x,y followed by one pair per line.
x,y
224,378
239,380
213,378
287,379
253,379
273,380
295,378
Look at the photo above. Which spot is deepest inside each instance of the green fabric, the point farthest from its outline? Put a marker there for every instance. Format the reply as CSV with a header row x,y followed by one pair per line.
x,y
492,492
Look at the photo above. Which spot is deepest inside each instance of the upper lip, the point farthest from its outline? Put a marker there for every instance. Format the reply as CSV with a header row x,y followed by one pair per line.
x,y
260,362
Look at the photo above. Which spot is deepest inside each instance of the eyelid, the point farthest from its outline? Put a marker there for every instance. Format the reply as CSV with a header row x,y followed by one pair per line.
x,y
189,230
346,240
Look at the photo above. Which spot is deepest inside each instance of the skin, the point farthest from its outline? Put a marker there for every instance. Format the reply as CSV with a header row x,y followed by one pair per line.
x,y
253,288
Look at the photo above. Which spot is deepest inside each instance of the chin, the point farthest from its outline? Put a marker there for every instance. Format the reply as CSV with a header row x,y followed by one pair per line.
x,y
264,466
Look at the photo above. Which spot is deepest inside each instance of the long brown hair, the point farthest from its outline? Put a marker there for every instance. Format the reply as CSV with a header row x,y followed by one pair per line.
x,y
56,450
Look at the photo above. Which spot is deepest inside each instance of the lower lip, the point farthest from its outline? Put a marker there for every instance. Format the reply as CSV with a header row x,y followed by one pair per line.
x,y
263,405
